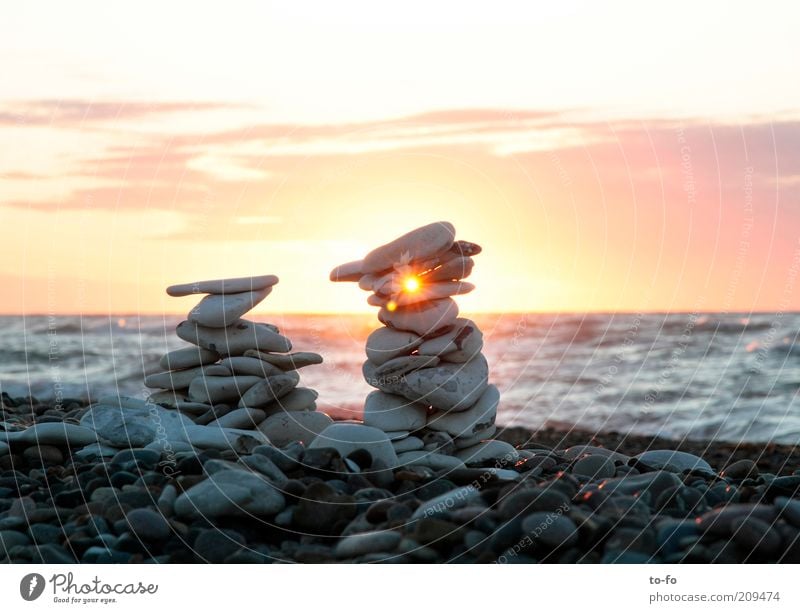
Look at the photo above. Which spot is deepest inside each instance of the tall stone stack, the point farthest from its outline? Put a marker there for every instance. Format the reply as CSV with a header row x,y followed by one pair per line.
x,y
237,373
433,395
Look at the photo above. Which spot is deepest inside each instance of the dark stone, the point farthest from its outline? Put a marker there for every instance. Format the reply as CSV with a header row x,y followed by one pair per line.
x,y
755,535
530,500
436,532
321,507
121,478
377,512
46,533
720,521
215,546
743,469
435,488
148,525
53,554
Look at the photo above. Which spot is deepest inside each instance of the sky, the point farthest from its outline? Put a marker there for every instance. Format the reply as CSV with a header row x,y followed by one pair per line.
x,y
607,156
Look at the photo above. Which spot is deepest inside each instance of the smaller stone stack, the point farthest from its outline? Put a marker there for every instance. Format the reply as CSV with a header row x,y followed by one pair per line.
x,y
433,395
237,373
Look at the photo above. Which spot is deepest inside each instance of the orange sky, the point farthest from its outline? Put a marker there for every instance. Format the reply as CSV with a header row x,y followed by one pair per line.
x,y
606,159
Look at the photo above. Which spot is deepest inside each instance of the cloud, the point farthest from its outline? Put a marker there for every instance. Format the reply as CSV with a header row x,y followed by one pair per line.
x,y
70,113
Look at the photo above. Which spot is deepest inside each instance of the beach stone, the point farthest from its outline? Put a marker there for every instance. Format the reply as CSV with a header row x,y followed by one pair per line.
x,y
351,271
577,451
595,467
217,370
148,525
671,532
45,455
436,461
221,310
215,546
410,443
533,499
481,435
789,509
174,399
448,387
303,426
347,438
180,379
389,412
396,368
488,450
460,344
385,344
230,493
551,529
457,268
721,521
443,504
743,469
223,286
59,434
235,339
240,418
268,390
756,535
424,319
10,539
248,365
216,390
368,542
233,439
472,421
188,357
680,460
291,361
299,399
262,464
421,243
653,483
135,427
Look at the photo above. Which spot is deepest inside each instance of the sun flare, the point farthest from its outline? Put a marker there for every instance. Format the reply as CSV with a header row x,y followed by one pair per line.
x,y
411,285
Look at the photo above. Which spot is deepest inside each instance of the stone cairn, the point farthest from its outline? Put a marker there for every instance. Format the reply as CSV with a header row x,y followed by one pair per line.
x,y
433,398
237,373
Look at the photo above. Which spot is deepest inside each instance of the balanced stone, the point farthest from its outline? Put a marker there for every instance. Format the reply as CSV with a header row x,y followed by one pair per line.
x,y
221,310
223,286
481,435
423,319
245,365
460,344
418,244
299,399
235,339
352,271
303,426
448,387
266,391
347,438
188,357
475,420
178,379
392,413
410,443
213,390
385,344
291,361
397,367
457,268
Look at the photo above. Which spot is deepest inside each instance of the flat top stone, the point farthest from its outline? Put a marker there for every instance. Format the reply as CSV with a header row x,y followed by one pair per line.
x,y
223,286
418,244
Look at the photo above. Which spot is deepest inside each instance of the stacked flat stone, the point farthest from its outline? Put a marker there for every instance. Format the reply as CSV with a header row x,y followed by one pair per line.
x,y
237,373
433,396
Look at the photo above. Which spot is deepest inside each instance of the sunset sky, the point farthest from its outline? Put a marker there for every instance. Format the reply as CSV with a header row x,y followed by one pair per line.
x,y
610,158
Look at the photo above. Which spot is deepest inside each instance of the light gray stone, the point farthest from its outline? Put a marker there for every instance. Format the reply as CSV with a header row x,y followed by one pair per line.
x,y
188,357
299,399
180,379
235,339
291,361
425,319
223,286
367,542
458,498
351,271
346,438
680,460
460,344
215,390
410,443
235,439
385,344
221,310
303,426
268,390
230,493
448,387
436,461
248,365
418,244
56,433
451,270
488,450
389,412
480,436
240,418
397,367
470,422
135,426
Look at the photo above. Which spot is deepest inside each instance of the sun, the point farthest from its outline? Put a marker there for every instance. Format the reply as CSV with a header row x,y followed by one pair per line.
x,y
411,285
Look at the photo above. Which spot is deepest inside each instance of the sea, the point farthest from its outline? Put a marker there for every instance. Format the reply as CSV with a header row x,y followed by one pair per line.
x,y
703,376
